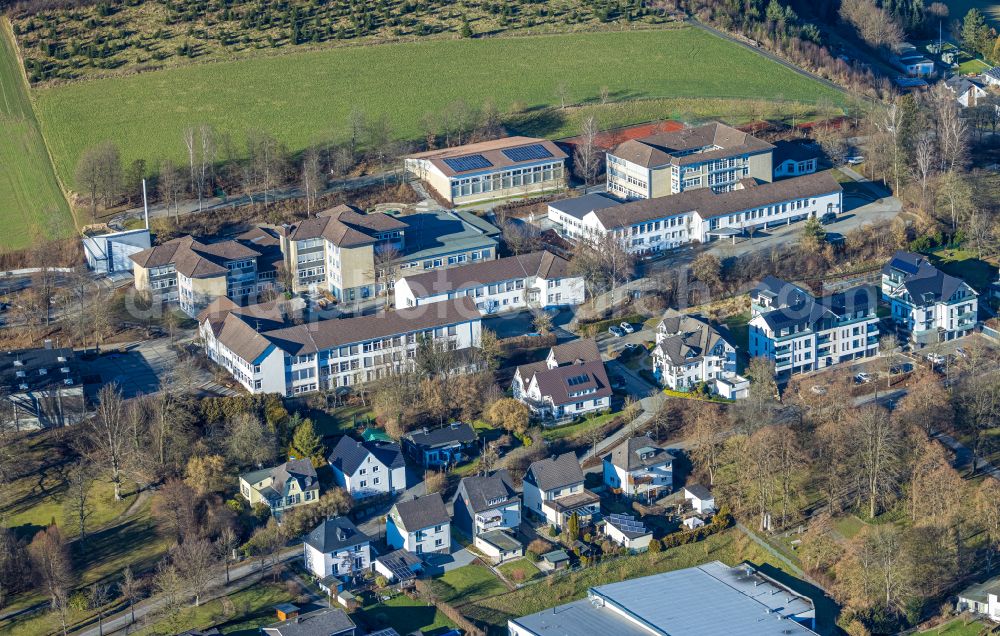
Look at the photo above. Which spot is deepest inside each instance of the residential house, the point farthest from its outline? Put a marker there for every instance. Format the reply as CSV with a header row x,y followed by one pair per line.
x,y
701,498
368,468
553,491
195,273
640,468
337,353
908,59
399,567
536,280
291,484
991,76
795,158
329,621
712,598
420,525
335,552
43,388
665,222
982,599
927,305
488,509
713,156
627,531
800,332
488,170
968,91
444,446
690,351
109,253
570,381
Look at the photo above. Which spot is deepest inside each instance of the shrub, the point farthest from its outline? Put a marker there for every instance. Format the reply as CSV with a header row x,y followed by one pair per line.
x,y
553,532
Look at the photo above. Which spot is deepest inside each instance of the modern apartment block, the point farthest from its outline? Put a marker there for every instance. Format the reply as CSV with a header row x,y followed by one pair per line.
x,y
702,215
508,167
539,279
347,253
291,359
928,306
194,273
713,156
803,333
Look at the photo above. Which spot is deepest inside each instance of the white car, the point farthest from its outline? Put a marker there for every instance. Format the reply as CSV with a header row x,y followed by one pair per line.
x,y
863,378
626,327
935,358
855,160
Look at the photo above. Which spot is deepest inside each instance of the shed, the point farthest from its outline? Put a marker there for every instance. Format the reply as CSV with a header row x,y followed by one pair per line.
x,y
499,545
555,560
286,611
701,498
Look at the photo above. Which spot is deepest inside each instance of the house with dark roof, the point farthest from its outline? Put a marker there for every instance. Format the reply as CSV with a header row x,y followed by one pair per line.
x,y
701,499
399,567
447,445
335,552
328,621
570,381
690,351
419,525
337,353
991,76
494,169
639,468
368,468
291,484
795,158
714,156
801,332
968,91
537,280
553,491
927,305
627,531
488,509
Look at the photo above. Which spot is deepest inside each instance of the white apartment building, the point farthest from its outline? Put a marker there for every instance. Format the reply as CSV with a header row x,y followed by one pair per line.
x,y
713,156
368,468
570,381
803,333
336,551
419,525
702,215
928,306
553,491
689,351
335,353
535,280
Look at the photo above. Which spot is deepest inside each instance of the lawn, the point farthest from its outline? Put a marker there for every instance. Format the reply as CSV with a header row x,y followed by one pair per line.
x,y
964,264
339,421
575,430
467,583
250,609
406,616
520,570
32,205
957,627
972,66
848,526
990,8
305,98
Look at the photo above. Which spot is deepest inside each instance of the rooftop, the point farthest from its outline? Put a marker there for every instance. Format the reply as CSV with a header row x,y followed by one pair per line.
x,y
422,512
542,264
487,156
454,433
690,146
579,207
432,234
326,621
38,369
335,534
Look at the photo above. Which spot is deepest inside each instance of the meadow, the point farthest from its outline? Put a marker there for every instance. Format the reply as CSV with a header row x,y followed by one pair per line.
x,y
31,203
305,98
990,8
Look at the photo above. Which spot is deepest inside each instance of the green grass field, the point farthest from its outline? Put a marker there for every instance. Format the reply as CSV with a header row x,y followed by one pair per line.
x,y
990,8
305,98
957,627
31,202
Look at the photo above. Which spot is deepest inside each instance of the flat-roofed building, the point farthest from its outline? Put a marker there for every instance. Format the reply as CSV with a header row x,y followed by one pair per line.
x,y
43,388
537,280
712,598
497,169
714,156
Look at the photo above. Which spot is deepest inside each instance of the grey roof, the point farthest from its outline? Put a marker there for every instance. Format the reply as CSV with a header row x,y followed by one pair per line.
x,y
559,383
699,491
492,151
431,234
25,366
556,556
628,525
388,631
485,492
582,350
924,283
794,151
400,563
961,85
992,72
348,455
501,539
788,305
322,622
555,472
638,452
454,433
422,512
690,145
579,207
300,470
709,600
689,338
335,534
542,264
979,592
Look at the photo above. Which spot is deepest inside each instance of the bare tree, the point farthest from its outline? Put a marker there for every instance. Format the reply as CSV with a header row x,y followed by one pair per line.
x,y
52,566
99,597
79,507
195,561
877,447
586,154
874,24
169,186
925,157
108,435
562,93
313,180
206,160
355,131
129,587
226,546
99,171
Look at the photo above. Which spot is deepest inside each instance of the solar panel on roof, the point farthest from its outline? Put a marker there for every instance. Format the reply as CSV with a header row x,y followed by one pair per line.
x,y
527,153
470,162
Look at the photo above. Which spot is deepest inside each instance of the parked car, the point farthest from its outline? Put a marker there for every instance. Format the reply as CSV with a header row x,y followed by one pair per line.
x,y
855,160
896,369
935,358
829,217
616,331
863,378
617,382
962,352
630,347
626,327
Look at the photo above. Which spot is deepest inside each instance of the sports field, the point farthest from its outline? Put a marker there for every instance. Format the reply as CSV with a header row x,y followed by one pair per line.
x,y
31,203
305,98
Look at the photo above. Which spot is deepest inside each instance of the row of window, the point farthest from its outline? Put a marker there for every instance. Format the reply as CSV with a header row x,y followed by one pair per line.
x,y
506,179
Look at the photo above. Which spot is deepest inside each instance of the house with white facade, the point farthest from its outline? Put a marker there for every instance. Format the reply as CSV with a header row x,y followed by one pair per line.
x,y
800,332
337,353
336,552
368,468
991,76
928,306
627,531
713,156
982,599
968,91
702,215
444,446
640,468
690,351
700,498
568,214
291,484
795,158
570,381
419,525
537,280
488,509
553,491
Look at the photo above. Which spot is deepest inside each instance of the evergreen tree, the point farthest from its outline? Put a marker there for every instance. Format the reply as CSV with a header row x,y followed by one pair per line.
x,y
306,444
573,527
